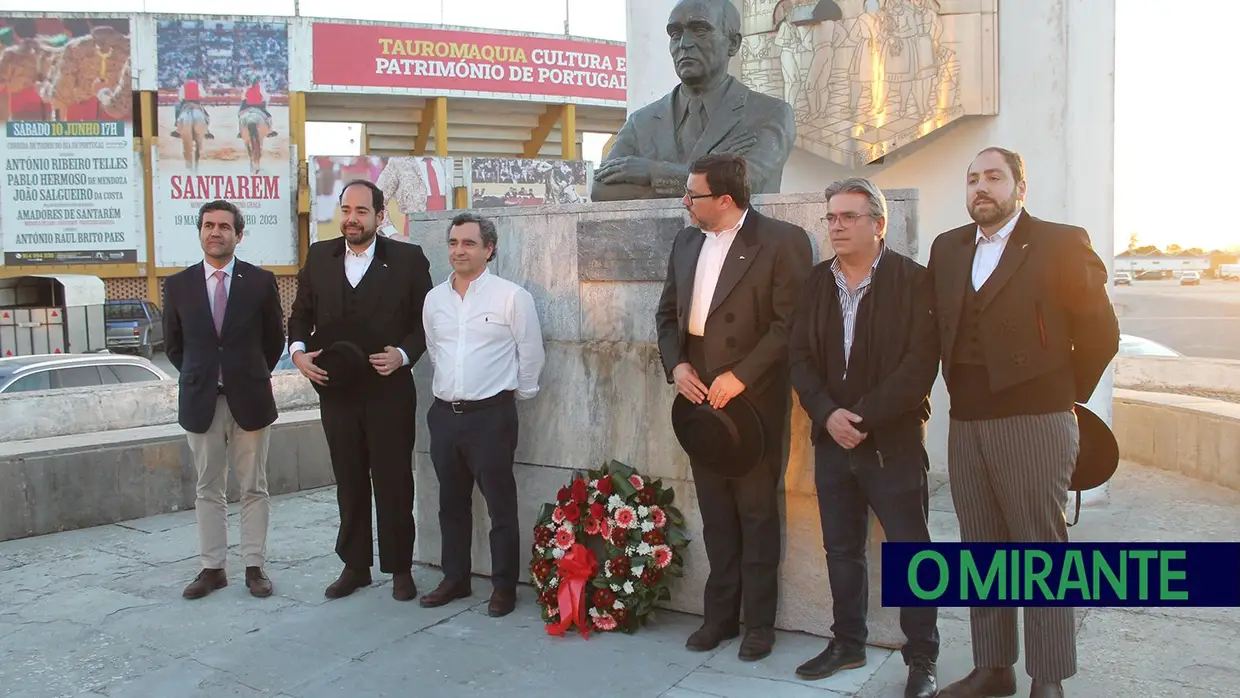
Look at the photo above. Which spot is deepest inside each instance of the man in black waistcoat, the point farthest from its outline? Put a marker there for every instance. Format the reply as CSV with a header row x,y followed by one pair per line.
x,y
368,290
864,355
1027,330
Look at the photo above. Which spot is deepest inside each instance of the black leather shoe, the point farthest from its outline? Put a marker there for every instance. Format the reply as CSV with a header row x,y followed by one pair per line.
x,y
348,582
989,682
757,644
403,588
706,638
502,603
1046,689
836,657
922,682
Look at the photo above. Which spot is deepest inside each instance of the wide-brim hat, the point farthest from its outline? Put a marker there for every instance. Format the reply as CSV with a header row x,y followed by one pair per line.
x,y
345,353
1098,458
729,442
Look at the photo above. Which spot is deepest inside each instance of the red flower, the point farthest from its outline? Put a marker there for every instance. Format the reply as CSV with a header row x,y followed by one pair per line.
x,y
558,516
619,536
564,539
605,529
564,497
605,622
662,555
598,511
550,597
621,615
658,517
604,599
646,496
604,485
621,566
579,491
636,481
651,576
653,538
626,517
542,536
591,526
541,569
572,513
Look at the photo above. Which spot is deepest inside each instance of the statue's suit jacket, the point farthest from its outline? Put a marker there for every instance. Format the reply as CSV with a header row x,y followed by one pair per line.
x,y
651,133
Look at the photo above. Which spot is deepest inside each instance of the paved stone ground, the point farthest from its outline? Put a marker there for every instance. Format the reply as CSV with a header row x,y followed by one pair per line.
x,y
98,612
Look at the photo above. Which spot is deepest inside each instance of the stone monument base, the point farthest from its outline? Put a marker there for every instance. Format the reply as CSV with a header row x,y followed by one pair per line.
x,y
595,272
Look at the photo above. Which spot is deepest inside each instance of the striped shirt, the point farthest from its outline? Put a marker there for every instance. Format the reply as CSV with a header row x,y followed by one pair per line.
x,y
850,300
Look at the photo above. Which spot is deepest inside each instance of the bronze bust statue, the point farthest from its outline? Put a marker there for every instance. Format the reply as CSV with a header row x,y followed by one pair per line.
x,y
709,112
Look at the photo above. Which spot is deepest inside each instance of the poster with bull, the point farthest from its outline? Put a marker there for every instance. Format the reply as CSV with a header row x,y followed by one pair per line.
x,y
410,184
71,187
223,121
524,182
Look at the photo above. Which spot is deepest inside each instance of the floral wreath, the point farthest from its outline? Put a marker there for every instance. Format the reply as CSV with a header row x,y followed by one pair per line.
x,y
605,551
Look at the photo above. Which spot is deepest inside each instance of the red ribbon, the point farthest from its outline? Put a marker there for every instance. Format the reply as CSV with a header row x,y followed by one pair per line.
x,y
576,568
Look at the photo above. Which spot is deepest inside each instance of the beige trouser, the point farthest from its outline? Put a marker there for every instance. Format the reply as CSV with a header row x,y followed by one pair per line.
x,y
226,443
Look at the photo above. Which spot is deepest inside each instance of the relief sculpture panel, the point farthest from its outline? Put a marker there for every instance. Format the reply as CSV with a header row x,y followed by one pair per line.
x,y
866,77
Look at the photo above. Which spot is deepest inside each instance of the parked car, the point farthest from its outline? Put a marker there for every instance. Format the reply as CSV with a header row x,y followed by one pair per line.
x,y
1123,278
56,371
135,326
1190,278
1140,346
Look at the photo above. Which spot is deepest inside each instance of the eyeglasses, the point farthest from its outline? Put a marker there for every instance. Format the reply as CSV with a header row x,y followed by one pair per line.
x,y
690,196
848,219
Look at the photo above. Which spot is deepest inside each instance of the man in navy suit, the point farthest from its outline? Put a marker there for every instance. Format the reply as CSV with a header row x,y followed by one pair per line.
x,y
224,333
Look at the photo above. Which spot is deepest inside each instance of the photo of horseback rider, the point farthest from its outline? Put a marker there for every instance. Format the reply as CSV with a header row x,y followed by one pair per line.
x,y
255,97
191,94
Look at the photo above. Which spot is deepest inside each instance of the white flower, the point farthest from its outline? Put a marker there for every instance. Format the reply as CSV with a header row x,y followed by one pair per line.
x,y
540,550
555,582
630,551
614,501
628,587
644,549
615,588
637,570
551,527
593,612
607,568
594,484
618,605
557,553
643,511
647,526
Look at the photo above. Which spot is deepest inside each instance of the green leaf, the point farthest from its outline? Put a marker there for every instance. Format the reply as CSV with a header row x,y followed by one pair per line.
x,y
621,469
666,497
665,595
623,487
676,538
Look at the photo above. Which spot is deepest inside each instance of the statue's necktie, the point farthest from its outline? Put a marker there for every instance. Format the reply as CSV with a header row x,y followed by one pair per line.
x,y
694,124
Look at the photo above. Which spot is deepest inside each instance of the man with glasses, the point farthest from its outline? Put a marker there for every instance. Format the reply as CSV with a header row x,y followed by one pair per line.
x,y
733,280
864,355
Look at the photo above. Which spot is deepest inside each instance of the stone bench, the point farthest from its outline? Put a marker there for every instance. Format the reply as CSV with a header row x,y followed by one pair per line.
x,y
1196,436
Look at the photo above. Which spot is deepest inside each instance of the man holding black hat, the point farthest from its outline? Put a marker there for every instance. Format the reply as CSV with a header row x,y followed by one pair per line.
x,y
1027,330
733,280
485,343
355,331
864,355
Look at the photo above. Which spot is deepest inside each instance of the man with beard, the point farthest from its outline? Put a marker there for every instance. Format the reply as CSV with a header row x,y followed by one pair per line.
x,y
733,282
364,293
1027,330
485,344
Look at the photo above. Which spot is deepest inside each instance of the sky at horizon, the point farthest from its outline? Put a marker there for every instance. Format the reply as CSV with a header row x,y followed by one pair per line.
x,y
1170,69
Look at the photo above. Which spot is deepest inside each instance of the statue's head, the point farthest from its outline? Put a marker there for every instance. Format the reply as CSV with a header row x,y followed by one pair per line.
x,y
704,35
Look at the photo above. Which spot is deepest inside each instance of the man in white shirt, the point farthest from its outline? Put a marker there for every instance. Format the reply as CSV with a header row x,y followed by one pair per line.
x,y
485,343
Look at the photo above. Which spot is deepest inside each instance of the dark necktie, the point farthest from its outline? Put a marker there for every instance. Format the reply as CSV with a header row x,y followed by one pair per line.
x,y
694,124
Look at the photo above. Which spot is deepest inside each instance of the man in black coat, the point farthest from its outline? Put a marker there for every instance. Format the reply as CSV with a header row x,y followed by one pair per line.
x,y
224,333
364,293
864,356
1027,330
733,280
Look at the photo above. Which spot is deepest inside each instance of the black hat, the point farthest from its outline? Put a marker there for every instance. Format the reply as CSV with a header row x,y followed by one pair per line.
x,y
1097,458
345,353
730,441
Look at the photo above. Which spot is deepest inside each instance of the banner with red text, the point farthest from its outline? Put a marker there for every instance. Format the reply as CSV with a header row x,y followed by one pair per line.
x,y
427,61
224,134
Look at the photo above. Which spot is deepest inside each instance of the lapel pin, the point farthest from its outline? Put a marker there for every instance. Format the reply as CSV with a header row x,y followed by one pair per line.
x,y
742,256
1024,246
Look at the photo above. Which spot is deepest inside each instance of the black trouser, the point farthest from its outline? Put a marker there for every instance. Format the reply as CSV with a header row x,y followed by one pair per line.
x,y
850,482
740,523
371,436
477,442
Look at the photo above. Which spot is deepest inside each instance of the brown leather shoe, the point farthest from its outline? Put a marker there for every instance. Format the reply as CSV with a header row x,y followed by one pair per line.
x,y
206,582
707,638
988,682
502,603
1046,689
445,593
258,582
348,582
403,588
757,644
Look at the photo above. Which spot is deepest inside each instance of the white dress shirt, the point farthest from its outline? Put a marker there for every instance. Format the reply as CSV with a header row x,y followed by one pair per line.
x,y
483,344
709,263
990,250
355,266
